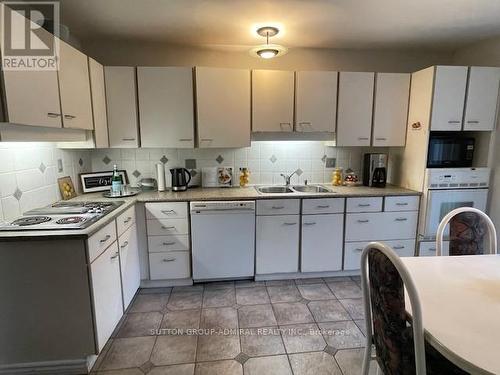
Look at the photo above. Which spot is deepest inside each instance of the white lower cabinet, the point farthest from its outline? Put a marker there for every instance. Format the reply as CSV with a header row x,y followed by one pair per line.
x,y
322,239
129,264
107,293
428,249
277,244
169,265
353,250
383,226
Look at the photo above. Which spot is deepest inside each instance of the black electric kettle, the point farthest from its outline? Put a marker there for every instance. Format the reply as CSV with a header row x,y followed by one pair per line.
x,y
179,180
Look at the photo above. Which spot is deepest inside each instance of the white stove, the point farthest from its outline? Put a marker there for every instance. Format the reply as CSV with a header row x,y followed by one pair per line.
x,y
62,215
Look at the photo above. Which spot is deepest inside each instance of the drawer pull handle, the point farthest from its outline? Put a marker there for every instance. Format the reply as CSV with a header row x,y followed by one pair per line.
x,y
168,243
185,139
125,244
398,247
115,256
105,238
168,212
168,260
53,114
454,122
364,205
127,220
313,223
432,249
358,249
362,138
206,139
401,204
472,122
69,117
401,219
326,206
364,221
289,223
277,207
128,139
164,227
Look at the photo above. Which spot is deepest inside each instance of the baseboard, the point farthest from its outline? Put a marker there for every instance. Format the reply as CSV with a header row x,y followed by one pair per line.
x,y
68,367
305,275
165,283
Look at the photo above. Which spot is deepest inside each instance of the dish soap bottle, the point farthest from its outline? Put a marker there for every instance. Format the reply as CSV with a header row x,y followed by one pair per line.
x,y
116,182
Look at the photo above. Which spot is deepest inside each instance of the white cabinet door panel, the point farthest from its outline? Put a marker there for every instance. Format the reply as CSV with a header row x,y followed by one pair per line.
x,y
107,293
98,92
390,111
272,100
277,244
121,100
223,107
355,107
482,97
166,106
449,97
316,101
171,265
353,250
129,264
322,240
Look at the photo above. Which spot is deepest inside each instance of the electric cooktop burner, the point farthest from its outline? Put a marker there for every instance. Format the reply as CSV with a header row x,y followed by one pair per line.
x,y
71,220
31,220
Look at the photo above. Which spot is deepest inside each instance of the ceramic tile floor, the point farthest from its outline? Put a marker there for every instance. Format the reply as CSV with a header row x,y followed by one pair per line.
x,y
312,326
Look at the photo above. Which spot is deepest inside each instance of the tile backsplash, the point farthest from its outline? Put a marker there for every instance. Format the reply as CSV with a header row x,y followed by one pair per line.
x,y
29,173
313,160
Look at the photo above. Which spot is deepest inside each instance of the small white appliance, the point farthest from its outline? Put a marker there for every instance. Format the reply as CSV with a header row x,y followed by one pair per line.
x,y
223,239
450,188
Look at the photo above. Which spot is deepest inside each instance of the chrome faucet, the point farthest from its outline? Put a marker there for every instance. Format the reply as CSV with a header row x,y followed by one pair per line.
x,y
287,177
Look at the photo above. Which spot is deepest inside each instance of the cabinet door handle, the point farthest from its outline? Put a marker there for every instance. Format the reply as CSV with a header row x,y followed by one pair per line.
x,y
362,138
185,139
115,256
168,212
326,206
53,114
401,219
127,220
170,227
401,204
313,223
168,243
125,244
289,223
107,237
364,205
433,249
364,221
472,122
454,122
69,117
169,260
287,124
278,207
128,139
206,139
358,249
398,247
381,139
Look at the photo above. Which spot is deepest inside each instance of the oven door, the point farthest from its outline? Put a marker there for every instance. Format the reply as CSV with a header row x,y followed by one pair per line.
x,y
441,202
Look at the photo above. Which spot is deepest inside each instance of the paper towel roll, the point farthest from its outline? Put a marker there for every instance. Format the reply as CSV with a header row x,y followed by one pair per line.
x,y
160,176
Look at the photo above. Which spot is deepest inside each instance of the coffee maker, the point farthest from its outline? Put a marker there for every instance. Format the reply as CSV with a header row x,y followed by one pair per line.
x,y
375,170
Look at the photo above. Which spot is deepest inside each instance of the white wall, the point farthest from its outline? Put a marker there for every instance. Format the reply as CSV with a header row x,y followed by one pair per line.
x,y
151,54
29,173
487,53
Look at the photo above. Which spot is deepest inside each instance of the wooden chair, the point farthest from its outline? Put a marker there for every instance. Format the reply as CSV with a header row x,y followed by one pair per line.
x,y
468,227
400,347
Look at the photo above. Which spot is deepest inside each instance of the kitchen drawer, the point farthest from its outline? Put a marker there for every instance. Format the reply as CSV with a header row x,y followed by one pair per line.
x,y
100,240
278,207
364,204
402,203
163,227
381,226
323,206
168,210
158,244
125,220
353,250
171,265
427,249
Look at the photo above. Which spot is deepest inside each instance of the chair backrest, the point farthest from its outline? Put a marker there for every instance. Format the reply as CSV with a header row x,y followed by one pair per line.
x,y
384,277
468,228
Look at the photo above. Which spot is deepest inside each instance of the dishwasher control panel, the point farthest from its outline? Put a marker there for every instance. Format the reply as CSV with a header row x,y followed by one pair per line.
x,y
222,206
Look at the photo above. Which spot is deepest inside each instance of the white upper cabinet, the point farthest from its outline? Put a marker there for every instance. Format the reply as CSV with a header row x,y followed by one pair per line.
x,y
482,97
223,107
449,97
74,86
316,101
390,112
121,102
272,100
166,114
98,92
355,107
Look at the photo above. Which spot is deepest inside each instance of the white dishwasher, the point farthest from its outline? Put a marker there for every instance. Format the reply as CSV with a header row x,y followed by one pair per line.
x,y
223,239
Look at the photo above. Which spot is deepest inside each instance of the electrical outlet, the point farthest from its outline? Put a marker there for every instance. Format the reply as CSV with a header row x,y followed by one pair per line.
x,y
59,165
330,162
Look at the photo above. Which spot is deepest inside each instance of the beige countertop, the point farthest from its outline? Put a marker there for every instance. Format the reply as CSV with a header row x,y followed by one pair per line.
x,y
200,194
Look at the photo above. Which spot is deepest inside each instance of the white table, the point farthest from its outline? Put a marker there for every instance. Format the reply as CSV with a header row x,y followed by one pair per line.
x,y
460,299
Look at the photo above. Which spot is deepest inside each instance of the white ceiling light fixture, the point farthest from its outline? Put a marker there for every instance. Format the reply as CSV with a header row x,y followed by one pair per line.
x,y
268,51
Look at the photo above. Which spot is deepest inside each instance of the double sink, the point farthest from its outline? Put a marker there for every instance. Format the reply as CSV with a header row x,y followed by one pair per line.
x,y
293,189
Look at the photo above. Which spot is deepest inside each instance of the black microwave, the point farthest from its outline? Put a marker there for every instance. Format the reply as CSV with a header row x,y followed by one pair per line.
x,y
450,150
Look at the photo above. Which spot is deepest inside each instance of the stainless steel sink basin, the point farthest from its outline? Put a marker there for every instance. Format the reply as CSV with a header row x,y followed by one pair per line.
x,y
311,189
274,190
